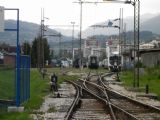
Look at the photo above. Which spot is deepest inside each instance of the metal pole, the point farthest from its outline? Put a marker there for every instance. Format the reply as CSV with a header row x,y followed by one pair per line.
x,y
18,75
122,35
60,45
72,39
39,42
124,44
138,2
119,41
134,49
80,33
18,64
43,60
119,30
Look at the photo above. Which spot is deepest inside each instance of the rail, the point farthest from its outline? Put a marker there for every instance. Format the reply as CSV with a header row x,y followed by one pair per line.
x,y
75,102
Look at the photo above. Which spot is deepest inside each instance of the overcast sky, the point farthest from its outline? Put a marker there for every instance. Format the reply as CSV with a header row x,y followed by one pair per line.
x,y
62,12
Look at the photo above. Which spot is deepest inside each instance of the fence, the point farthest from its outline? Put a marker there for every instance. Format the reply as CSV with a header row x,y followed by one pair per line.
x,y
15,74
8,79
25,78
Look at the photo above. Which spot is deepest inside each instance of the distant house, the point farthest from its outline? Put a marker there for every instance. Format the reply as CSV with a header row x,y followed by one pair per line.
x,y
1,58
147,46
8,55
9,59
150,45
150,57
7,48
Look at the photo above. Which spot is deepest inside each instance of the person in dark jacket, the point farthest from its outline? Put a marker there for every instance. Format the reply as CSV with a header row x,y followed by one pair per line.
x,y
52,84
54,80
56,84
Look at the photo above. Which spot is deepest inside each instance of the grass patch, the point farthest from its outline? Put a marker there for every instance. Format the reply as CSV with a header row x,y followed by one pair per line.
x,y
38,89
51,109
14,116
38,86
75,70
151,77
62,78
66,77
7,83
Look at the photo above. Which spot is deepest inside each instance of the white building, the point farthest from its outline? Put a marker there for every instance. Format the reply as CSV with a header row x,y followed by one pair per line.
x,y
1,55
150,45
91,47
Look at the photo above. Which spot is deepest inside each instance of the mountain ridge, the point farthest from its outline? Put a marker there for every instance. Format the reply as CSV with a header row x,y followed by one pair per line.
x,y
145,25
27,32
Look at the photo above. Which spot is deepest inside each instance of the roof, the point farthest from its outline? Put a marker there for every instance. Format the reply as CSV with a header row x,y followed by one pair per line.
x,y
142,51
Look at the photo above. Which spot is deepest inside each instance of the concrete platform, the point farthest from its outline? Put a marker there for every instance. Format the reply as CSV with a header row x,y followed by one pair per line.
x,y
15,109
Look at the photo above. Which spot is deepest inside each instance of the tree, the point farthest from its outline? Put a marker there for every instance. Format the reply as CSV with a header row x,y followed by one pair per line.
x,y
34,57
26,48
52,54
40,52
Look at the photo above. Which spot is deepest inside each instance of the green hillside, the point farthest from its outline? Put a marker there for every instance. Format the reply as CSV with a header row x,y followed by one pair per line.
x,y
28,31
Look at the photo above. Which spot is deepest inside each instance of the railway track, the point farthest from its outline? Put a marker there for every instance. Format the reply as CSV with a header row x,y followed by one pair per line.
x,y
95,99
139,110
87,107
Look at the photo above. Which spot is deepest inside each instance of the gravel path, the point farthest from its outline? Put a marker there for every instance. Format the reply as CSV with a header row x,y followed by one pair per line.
x,y
135,95
56,108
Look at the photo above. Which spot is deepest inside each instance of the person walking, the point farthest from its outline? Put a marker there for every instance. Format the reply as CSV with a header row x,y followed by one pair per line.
x,y
56,84
53,83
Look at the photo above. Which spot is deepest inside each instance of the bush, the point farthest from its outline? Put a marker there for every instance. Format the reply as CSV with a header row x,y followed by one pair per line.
x,y
139,64
158,77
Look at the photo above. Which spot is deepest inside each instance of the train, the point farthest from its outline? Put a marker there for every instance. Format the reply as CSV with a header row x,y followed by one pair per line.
x,y
93,62
114,63
77,61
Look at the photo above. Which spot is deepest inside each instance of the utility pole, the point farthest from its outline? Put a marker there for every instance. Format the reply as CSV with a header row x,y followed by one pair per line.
x,y
73,23
40,42
60,38
80,33
120,12
137,25
124,45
